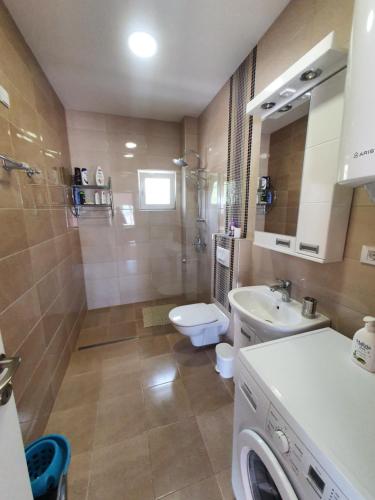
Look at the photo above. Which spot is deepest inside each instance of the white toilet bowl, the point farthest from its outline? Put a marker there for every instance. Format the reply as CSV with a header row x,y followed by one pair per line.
x,y
203,323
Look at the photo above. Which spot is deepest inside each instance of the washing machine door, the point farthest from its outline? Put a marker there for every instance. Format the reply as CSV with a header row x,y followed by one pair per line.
x,y
262,476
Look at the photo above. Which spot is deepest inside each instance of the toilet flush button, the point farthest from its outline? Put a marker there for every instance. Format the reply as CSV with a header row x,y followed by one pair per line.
x,y
281,441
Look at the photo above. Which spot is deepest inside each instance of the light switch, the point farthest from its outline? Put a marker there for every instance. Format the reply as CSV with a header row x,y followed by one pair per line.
x,y
368,255
4,97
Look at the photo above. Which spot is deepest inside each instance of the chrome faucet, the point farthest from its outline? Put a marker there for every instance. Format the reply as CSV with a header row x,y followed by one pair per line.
x,y
284,287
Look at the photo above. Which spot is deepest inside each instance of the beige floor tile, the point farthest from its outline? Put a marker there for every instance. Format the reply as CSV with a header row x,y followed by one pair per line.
x,y
119,418
77,390
207,489
206,393
119,349
96,317
177,338
86,360
91,336
78,477
121,471
122,314
229,384
159,370
217,431
211,353
154,346
178,456
122,330
115,383
166,404
224,480
77,424
193,363
122,364
120,357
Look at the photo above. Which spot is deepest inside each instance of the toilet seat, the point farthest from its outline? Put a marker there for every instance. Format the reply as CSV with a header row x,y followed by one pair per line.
x,y
193,315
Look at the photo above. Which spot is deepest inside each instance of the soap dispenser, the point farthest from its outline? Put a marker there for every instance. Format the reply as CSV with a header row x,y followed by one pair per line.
x,y
363,348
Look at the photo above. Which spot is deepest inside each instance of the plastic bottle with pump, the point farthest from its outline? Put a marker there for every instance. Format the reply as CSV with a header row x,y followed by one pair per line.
x,y
363,347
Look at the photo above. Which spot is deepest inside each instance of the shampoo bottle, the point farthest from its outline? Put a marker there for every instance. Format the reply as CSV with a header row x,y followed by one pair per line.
x,y
363,348
84,176
99,177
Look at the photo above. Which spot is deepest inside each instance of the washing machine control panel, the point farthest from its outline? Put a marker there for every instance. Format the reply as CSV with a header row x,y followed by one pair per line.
x,y
305,471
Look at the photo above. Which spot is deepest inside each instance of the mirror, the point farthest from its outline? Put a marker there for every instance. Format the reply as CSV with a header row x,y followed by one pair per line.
x,y
282,151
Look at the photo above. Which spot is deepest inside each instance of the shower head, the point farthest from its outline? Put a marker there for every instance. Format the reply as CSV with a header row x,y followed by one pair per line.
x,y
180,162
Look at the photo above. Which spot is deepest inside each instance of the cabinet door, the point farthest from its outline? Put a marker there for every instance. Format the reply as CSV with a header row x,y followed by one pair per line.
x,y
324,207
248,335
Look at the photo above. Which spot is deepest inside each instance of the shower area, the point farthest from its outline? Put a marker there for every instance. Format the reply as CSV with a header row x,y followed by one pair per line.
x,y
141,253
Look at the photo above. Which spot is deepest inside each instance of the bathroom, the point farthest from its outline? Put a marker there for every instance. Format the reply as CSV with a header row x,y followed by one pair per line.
x,y
141,193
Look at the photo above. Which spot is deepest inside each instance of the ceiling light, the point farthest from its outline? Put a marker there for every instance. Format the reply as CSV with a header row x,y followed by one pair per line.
x,y
142,44
310,74
131,145
285,108
268,105
129,155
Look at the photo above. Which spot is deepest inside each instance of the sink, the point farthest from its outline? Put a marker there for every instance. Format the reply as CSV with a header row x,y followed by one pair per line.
x,y
268,316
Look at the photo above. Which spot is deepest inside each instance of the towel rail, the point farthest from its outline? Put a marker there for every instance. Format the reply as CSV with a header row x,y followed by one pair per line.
x,y
10,164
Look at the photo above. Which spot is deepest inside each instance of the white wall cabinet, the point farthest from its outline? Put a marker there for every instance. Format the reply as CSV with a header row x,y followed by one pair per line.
x,y
324,206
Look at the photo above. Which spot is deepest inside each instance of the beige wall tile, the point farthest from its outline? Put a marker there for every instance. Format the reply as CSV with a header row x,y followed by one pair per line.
x,y
28,250
115,251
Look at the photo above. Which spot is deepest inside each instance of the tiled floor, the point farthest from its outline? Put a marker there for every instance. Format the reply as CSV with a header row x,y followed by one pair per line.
x,y
147,417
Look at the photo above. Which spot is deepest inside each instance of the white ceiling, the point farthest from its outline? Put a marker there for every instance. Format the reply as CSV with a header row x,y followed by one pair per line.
x,y
82,47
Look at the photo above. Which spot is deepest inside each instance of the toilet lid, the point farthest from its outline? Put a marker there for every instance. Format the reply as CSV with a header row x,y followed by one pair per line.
x,y
193,315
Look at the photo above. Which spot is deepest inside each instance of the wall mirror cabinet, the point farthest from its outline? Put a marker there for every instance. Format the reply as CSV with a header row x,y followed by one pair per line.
x,y
301,209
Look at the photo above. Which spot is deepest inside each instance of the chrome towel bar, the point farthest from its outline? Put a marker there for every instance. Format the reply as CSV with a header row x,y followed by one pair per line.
x,y
10,164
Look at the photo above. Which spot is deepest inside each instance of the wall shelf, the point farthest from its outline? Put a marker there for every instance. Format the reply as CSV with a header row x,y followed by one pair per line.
x,y
79,210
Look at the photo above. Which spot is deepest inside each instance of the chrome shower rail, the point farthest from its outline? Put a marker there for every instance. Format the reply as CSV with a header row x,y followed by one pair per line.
x,y
10,164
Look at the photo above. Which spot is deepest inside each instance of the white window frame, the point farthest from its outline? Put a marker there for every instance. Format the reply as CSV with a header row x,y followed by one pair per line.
x,y
156,174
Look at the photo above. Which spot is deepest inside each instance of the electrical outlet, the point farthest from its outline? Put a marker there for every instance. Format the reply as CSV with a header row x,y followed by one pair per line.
x,y
4,97
368,255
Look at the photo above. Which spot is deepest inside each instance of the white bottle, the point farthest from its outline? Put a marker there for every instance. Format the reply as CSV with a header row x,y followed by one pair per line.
x,y
97,198
84,176
363,348
103,197
99,177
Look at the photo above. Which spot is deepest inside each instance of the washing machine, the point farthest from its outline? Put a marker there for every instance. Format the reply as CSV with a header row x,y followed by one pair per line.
x,y
304,421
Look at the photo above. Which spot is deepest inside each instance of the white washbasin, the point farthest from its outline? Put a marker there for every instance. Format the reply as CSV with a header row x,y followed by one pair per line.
x,y
268,316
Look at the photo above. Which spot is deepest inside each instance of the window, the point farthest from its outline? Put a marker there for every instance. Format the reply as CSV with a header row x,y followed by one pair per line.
x,y
157,189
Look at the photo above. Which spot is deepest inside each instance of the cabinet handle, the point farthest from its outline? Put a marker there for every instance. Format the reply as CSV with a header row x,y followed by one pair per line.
x,y
283,243
309,248
249,395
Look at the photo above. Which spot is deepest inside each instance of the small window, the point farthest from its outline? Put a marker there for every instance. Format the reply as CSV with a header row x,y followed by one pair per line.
x,y
157,189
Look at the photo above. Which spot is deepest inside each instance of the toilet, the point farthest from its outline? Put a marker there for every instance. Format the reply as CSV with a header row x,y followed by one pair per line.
x,y
203,323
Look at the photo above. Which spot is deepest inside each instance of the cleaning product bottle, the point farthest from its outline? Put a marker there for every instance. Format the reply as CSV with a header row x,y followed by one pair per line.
x,y
77,177
99,177
97,198
363,348
84,176
103,198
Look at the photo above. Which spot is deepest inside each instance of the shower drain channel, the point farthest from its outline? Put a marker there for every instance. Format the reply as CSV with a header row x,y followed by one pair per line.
x,y
100,344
